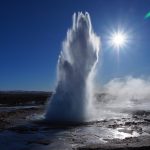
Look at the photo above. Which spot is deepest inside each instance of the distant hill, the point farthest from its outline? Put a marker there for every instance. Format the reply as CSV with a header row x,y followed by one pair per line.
x,y
24,97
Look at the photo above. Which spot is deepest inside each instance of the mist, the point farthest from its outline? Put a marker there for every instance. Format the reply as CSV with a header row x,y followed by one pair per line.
x,y
130,90
124,95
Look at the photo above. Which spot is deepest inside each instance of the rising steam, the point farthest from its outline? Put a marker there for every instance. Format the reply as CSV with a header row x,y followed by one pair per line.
x,y
72,101
129,93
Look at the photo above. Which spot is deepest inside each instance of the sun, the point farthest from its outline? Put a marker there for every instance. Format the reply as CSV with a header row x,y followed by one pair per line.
x,y
118,39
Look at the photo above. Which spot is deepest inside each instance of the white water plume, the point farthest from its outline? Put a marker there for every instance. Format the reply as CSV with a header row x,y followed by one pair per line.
x,y
72,101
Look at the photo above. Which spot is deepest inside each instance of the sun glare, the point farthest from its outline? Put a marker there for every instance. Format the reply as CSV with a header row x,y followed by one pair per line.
x,y
118,39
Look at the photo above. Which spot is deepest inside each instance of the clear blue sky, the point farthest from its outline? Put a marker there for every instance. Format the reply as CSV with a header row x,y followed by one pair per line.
x,y
31,33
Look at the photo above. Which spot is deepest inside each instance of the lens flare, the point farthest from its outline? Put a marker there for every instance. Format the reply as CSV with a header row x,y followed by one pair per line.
x,y
147,15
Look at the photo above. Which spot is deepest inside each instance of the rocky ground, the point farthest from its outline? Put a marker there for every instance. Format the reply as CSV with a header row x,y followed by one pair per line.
x,y
12,116
19,129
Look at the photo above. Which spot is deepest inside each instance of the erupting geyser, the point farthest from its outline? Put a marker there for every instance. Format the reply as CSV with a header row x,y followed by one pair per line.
x,y
72,101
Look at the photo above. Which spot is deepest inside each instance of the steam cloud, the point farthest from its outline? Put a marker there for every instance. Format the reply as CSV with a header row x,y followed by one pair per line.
x,y
72,101
121,97
129,93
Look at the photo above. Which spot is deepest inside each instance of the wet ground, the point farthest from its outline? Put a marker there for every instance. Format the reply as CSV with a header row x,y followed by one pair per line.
x,y
21,128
